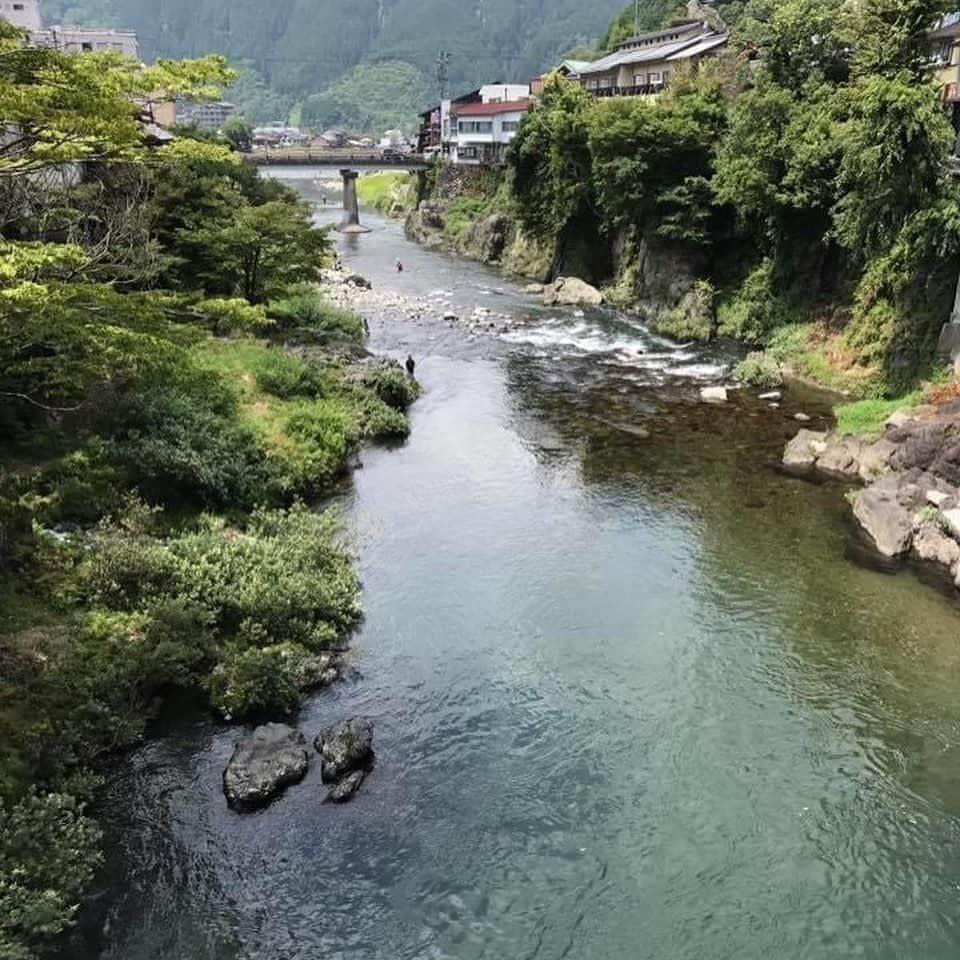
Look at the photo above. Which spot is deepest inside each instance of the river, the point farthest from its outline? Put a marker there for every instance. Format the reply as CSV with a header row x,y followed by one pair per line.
x,y
634,698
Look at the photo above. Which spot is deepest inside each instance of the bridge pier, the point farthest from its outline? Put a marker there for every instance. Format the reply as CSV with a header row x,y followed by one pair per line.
x,y
351,207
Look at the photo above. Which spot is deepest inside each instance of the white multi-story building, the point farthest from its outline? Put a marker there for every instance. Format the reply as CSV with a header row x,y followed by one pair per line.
x,y
484,130
26,14
475,128
22,13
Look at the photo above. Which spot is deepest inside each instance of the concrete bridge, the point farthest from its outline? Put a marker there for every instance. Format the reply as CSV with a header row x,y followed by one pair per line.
x,y
348,162
315,157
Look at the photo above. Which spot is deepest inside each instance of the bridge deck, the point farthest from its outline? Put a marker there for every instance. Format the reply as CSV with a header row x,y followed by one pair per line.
x,y
336,158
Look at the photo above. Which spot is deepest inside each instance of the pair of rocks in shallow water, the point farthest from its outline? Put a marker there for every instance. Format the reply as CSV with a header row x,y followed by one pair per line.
x,y
274,756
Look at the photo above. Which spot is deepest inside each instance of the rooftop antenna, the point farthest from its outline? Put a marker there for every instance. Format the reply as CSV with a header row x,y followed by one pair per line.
x,y
443,72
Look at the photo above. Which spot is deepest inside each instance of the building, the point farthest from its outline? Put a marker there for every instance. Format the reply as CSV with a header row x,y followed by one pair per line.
x,y
26,14
22,13
205,114
945,63
643,65
567,69
484,131
475,127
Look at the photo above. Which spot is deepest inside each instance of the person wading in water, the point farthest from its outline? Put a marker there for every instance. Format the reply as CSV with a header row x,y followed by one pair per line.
x,y
411,366
399,267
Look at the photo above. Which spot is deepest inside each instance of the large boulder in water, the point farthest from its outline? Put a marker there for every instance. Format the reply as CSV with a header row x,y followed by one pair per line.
x,y
345,747
570,291
804,449
263,764
885,512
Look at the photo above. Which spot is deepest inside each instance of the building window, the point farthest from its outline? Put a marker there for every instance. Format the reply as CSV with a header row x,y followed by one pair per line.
x,y
655,78
476,126
509,126
86,47
639,79
18,6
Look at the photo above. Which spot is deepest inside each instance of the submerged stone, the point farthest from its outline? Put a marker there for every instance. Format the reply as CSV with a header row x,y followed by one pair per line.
x,y
344,747
263,764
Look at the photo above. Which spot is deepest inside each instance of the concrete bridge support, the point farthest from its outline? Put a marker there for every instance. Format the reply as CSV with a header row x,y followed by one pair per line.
x,y
351,208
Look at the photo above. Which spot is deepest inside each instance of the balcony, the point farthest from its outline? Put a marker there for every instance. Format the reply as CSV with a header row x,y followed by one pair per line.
x,y
645,90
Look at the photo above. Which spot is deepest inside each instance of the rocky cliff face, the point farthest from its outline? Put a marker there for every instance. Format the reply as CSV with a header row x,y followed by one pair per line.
x,y
638,273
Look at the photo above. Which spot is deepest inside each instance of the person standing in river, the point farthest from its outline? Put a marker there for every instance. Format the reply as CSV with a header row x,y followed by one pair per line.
x,y
411,365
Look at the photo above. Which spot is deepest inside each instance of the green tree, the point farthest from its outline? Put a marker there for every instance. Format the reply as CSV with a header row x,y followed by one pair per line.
x,y
239,132
260,250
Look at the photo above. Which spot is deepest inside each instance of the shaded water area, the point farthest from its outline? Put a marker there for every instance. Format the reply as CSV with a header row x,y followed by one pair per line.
x,y
633,697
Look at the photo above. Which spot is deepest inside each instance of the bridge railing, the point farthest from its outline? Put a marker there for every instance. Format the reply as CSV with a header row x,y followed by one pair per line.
x,y
333,158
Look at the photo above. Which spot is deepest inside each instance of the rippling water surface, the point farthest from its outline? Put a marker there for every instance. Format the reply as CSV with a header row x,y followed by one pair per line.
x,y
633,697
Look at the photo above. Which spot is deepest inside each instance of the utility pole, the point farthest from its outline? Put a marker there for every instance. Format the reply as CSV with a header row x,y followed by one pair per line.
x,y
443,72
636,18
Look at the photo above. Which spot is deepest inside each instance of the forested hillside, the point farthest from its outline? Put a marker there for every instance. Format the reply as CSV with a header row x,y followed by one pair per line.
x,y
299,48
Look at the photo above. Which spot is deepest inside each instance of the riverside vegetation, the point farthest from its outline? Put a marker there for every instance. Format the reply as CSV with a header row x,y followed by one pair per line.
x,y
173,388
794,195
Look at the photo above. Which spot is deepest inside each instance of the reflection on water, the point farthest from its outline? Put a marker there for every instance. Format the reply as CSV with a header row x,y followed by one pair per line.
x,y
632,698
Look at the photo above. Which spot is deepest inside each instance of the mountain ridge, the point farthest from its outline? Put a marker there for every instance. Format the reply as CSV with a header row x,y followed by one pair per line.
x,y
292,49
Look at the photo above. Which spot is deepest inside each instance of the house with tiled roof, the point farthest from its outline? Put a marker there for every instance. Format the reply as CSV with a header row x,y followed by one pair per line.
x,y
643,65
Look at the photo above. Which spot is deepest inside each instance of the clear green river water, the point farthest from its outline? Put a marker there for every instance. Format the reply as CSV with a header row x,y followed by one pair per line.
x,y
634,698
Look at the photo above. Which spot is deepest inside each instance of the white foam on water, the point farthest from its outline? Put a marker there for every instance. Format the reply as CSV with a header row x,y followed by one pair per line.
x,y
627,346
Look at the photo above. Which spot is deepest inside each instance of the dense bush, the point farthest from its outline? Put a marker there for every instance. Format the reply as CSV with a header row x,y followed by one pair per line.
x,y
184,443
759,370
389,382
48,854
284,375
256,681
284,578
303,307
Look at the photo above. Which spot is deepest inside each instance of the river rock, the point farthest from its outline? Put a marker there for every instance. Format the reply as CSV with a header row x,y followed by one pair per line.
x,y
884,518
802,417
263,764
355,280
571,291
713,394
930,543
344,747
938,498
952,519
534,289
841,458
804,449
344,789
775,395
898,418
874,459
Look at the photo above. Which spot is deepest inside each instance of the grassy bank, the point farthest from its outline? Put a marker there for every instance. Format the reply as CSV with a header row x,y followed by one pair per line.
x,y
390,192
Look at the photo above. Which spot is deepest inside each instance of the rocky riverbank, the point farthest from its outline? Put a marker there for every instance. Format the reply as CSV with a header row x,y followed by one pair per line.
x,y
910,502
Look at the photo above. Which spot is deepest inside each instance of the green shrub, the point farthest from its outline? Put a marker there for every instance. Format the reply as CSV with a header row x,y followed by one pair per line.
x,y
754,311
282,579
758,370
323,436
49,852
378,420
234,316
391,384
257,681
303,307
284,375
186,443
